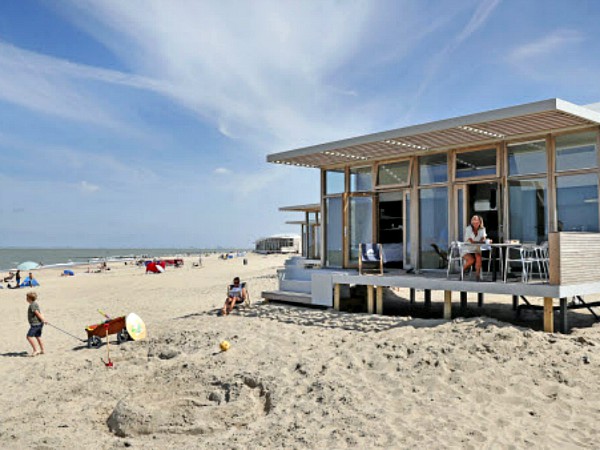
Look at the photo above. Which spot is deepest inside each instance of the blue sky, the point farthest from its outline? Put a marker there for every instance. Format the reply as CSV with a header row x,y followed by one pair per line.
x,y
146,123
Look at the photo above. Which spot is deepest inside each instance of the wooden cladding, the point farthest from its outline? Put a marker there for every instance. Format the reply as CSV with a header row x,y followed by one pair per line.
x,y
574,257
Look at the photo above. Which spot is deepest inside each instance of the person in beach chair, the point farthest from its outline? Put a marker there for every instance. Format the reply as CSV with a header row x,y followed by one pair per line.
x,y
236,295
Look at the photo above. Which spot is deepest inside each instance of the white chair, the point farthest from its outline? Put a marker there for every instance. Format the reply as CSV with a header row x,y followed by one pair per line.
x,y
515,253
455,257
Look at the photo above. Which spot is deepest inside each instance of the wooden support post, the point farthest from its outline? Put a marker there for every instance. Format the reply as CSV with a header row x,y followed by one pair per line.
x,y
447,305
412,295
548,315
336,297
379,299
370,299
479,299
427,298
463,301
515,302
564,326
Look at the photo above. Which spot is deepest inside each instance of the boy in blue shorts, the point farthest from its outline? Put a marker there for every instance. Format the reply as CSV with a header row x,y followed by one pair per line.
x,y
36,323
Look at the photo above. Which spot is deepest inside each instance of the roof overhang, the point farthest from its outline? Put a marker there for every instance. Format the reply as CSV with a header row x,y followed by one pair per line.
x,y
312,207
493,126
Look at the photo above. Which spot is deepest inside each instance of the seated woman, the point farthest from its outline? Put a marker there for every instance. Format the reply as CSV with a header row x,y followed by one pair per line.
x,y
474,234
236,294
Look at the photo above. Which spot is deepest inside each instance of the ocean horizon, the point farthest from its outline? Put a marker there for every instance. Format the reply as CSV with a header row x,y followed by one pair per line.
x,y
11,257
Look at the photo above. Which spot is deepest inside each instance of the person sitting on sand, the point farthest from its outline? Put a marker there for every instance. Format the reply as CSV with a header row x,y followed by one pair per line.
x,y
236,294
36,323
10,276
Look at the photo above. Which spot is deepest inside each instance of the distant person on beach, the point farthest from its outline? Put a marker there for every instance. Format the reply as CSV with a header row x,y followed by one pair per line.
x,y
18,278
36,323
236,294
10,276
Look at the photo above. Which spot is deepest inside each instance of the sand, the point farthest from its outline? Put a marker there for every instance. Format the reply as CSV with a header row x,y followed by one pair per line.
x,y
293,378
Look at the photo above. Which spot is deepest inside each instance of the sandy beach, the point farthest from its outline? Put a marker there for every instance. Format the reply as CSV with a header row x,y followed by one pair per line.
x,y
293,378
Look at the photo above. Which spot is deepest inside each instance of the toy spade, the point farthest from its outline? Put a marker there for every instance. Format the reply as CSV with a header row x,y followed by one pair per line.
x,y
109,363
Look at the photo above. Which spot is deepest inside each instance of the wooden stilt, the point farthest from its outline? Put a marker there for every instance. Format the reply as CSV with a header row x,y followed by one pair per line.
x,y
336,297
564,326
447,305
463,301
479,299
515,302
548,315
412,295
379,299
370,299
427,298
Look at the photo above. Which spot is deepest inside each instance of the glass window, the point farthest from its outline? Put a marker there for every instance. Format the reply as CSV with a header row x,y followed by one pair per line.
x,y
433,168
576,151
433,221
361,223
577,202
476,164
527,210
334,257
360,179
334,182
527,158
393,174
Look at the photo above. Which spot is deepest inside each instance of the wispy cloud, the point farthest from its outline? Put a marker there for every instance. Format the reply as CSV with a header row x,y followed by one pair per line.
x,y
222,171
478,19
86,187
547,45
259,71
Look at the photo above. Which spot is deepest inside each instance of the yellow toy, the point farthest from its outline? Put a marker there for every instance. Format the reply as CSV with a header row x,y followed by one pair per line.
x,y
225,345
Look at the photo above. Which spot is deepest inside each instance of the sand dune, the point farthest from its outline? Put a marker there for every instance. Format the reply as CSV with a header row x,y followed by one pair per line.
x,y
293,378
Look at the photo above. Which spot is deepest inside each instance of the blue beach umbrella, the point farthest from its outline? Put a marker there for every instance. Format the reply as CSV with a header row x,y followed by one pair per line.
x,y
28,265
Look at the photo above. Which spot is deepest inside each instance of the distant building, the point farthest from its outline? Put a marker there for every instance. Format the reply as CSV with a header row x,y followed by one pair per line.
x,y
279,243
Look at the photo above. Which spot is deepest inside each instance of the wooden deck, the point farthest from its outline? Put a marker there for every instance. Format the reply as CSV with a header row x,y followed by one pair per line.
x,y
550,293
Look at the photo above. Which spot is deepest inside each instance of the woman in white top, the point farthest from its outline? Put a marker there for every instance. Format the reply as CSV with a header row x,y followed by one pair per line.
x,y
474,233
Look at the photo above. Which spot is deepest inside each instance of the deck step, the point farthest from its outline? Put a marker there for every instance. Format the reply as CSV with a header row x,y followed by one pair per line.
x,y
287,296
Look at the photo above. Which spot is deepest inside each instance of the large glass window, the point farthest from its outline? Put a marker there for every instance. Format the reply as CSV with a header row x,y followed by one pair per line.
x,y
433,221
476,164
527,158
393,174
527,210
433,169
333,252
360,179
577,202
576,151
334,182
361,223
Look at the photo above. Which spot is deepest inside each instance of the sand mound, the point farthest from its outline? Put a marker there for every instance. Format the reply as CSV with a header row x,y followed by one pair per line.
x,y
215,406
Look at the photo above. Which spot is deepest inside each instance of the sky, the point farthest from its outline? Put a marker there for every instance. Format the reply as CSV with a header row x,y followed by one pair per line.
x,y
146,123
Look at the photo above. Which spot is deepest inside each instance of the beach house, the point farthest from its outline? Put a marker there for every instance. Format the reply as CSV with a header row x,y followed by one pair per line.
x,y
531,171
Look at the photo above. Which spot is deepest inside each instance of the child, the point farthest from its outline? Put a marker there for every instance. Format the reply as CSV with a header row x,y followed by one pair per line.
x,y
36,322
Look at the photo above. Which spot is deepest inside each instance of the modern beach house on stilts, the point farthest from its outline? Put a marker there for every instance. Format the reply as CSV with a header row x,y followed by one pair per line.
x,y
530,171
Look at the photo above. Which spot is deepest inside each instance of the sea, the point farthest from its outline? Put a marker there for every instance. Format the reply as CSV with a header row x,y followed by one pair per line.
x,y
10,258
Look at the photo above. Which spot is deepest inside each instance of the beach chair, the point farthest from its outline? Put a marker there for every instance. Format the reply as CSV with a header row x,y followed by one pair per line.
x,y
370,254
246,303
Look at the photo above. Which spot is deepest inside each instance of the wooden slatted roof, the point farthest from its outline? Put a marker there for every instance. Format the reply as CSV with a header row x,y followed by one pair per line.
x,y
488,127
